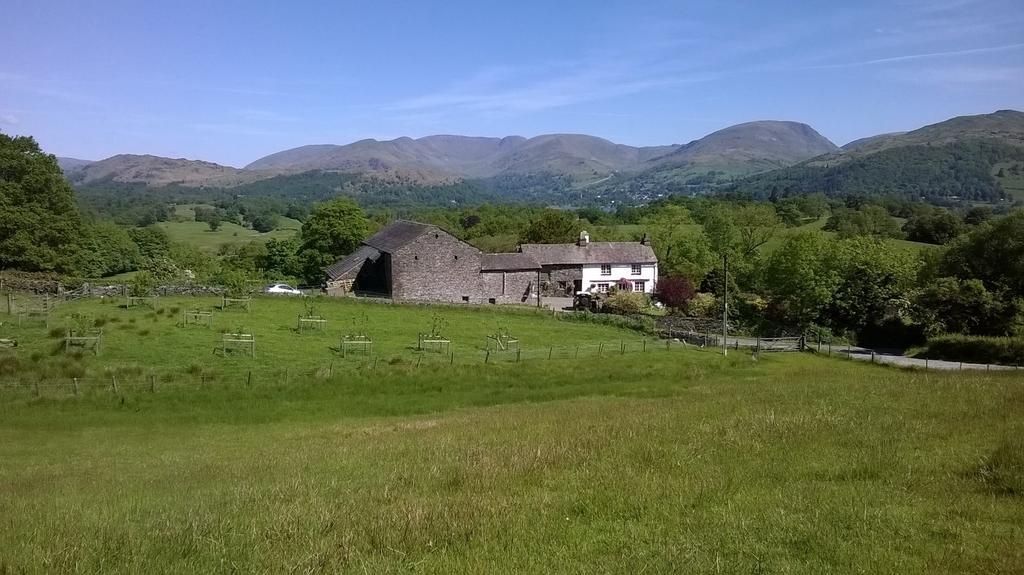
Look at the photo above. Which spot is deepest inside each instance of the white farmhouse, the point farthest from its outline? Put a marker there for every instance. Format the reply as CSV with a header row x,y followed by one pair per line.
x,y
594,267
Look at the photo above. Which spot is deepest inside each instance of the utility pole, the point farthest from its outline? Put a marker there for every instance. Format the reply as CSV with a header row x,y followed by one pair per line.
x,y
725,305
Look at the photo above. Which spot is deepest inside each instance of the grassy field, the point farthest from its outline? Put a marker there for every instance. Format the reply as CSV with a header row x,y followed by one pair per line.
x,y
142,340
1013,184
656,461
186,230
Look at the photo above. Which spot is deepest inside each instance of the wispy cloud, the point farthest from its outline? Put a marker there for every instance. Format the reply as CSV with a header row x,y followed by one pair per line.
x,y
963,75
501,91
9,119
918,56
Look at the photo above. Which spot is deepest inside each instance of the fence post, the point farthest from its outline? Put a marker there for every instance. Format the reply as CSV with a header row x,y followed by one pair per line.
x,y
518,352
452,360
550,351
577,352
152,383
488,356
113,383
600,350
622,348
248,379
645,346
35,387
872,356
926,364
74,384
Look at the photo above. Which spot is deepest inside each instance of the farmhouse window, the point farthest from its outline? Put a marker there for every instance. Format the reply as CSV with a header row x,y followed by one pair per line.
x,y
637,269
606,269
602,288
639,286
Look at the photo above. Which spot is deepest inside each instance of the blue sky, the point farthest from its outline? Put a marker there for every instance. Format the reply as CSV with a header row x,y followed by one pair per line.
x,y
232,81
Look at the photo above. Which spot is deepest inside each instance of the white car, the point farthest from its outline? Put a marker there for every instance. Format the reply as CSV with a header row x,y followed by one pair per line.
x,y
281,289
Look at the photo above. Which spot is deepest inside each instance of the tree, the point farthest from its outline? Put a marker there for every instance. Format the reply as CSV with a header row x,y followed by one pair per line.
x,y
675,292
875,282
152,241
213,224
667,226
993,253
106,249
264,221
867,220
801,278
553,227
332,230
721,230
933,226
978,215
756,224
39,222
951,305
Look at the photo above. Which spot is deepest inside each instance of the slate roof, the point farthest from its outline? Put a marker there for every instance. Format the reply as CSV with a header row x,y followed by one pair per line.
x,y
592,253
507,262
352,261
397,234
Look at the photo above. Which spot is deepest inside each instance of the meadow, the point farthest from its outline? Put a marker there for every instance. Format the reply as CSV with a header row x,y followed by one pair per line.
x,y
649,461
183,228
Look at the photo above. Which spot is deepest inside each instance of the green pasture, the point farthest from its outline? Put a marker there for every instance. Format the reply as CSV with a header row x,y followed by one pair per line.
x,y
143,340
656,462
184,229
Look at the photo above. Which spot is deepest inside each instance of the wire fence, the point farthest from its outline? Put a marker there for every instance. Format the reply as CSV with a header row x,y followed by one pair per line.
x,y
133,380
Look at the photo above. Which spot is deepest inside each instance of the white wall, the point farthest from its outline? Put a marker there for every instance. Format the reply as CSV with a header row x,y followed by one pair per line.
x,y
592,276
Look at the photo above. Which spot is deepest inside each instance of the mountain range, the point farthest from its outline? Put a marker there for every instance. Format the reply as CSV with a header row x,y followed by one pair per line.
x,y
745,148
742,151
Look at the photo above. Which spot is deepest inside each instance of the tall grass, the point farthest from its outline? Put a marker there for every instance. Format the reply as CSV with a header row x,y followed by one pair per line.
x,y
685,462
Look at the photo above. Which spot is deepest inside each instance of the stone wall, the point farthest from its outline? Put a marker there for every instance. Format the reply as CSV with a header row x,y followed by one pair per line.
x,y
437,267
511,286
559,280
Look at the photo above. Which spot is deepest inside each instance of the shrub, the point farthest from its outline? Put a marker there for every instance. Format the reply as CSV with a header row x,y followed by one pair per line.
x,y
142,284
626,303
976,349
675,292
702,305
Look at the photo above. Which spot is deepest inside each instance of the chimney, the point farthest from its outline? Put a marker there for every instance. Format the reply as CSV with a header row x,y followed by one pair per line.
x,y
646,241
584,239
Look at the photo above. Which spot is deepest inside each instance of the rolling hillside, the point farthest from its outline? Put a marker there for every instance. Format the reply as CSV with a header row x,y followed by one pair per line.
x,y
953,160
156,171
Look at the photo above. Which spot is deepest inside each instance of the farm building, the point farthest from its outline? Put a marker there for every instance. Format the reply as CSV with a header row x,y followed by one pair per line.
x,y
594,267
411,261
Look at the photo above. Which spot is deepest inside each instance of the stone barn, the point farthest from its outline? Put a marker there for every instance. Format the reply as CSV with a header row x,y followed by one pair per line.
x,y
410,261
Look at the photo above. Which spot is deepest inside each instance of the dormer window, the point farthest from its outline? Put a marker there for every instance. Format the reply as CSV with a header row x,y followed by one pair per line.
x,y
606,269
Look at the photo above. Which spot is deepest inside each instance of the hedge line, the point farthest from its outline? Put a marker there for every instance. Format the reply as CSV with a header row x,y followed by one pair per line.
x,y
976,349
